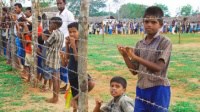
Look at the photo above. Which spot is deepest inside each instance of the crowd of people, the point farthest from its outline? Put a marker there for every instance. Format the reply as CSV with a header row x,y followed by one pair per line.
x,y
58,56
131,27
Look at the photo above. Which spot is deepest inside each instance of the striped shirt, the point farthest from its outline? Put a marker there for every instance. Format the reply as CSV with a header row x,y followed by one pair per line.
x,y
158,49
53,52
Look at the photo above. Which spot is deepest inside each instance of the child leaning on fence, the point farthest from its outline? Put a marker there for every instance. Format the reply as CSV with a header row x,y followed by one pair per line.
x,y
72,54
54,43
150,60
120,102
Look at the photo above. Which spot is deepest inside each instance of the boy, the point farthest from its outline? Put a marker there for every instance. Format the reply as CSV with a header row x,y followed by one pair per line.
x,y
26,41
71,54
55,42
45,75
153,58
120,102
39,50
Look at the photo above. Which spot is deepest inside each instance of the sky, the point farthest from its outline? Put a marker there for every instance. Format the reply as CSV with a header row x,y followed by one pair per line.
x,y
173,5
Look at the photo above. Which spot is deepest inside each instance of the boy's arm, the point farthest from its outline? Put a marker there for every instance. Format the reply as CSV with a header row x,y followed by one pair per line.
x,y
44,37
26,30
18,30
73,45
23,16
98,105
67,41
127,60
156,67
51,39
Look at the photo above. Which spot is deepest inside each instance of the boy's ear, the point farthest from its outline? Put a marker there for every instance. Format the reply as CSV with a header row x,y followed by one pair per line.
x,y
161,25
124,89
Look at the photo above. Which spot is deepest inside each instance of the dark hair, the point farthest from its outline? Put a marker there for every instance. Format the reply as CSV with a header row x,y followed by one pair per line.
x,y
29,8
57,21
39,18
21,19
64,1
120,80
74,24
18,5
154,11
4,9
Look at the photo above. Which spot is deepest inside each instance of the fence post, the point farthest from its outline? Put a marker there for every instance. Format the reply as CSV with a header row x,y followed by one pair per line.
x,y
35,15
82,62
13,43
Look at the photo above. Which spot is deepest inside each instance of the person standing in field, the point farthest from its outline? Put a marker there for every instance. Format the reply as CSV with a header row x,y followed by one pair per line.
x,y
151,55
67,18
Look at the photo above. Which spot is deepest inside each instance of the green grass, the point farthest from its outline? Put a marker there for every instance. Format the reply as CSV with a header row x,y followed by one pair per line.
x,y
104,57
12,91
182,106
99,53
36,98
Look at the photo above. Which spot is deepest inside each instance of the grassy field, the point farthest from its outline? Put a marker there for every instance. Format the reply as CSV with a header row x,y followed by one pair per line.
x,y
104,62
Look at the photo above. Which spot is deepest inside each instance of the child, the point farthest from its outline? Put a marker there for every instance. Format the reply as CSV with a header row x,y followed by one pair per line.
x,y
45,75
153,58
72,48
120,102
39,50
26,41
54,42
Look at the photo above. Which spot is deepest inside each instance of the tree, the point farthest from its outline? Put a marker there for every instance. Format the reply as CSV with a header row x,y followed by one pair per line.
x,y
132,11
164,8
95,7
185,11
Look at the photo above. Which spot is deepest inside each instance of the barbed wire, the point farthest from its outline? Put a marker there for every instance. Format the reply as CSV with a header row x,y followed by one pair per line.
x,y
88,95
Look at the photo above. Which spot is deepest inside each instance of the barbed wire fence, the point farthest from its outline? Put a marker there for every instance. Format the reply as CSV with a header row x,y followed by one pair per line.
x,y
82,54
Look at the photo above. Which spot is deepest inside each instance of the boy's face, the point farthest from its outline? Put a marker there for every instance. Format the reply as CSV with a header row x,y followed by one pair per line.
x,y
116,89
73,33
28,13
152,25
52,26
17,10
4,12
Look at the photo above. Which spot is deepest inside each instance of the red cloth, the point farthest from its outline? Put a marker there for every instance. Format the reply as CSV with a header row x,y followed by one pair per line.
x,y
39,30
28,46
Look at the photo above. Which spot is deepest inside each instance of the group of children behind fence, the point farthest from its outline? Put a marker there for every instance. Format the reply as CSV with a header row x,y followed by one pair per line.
x,y
155,89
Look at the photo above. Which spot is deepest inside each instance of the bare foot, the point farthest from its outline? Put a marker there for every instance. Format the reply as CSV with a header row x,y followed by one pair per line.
x,y
28,80
8,62
51,100
46,89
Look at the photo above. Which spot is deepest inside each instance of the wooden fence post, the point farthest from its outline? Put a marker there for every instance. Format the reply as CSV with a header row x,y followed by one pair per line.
x,y
82,51
13,37
35,15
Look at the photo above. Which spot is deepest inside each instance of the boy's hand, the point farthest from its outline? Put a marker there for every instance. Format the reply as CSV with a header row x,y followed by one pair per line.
x,y
38,50
62,54
67,40
23,16
99,102
121,50
72,42
130,52
74,104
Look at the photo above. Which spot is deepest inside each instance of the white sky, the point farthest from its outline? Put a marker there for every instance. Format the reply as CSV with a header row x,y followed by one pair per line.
x,y
173,5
